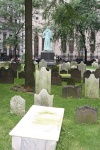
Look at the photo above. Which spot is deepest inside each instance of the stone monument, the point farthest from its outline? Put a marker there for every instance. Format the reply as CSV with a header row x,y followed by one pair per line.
x,y
47,54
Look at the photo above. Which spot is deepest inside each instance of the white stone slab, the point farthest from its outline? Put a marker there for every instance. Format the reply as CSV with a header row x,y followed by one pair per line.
x,y
40,122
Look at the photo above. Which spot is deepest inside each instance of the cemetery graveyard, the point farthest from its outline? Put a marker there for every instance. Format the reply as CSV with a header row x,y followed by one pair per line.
x,y
78,95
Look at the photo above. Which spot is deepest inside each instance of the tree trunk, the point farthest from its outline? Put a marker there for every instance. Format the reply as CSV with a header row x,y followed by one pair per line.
x,y
63,45
29,76
83,37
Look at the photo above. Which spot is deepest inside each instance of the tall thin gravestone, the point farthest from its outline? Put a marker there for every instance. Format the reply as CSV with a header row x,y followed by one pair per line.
x,y
92,87
43,80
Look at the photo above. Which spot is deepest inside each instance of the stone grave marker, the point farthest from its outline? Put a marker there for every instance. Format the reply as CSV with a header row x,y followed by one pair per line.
x,y
72,91
82,68
73,63
95,65
86,75
56,80
42,63
86,114
6,75
43,80
15,66
75,74
92,87
54,69
17,105
43,98
97,74
63,67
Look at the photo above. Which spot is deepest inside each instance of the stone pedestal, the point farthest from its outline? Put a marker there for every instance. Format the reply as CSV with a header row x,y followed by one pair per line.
x,y
48,56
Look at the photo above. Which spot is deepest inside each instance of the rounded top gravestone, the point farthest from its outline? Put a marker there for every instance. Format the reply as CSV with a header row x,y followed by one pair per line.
x,y
47,36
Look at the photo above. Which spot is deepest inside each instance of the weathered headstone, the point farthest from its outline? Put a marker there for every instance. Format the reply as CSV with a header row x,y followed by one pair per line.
x,y
43,98
86,114
73,63
72,91
75,74
43,80
15,66
97,74
54,69
6,75
42,63
95,65
86,75
63,67
92,87
56,80
17,105
82,68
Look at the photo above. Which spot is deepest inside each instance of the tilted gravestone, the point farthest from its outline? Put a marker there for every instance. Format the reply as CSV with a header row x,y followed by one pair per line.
x,y
72,91
92,87
43,98
86,114
17,105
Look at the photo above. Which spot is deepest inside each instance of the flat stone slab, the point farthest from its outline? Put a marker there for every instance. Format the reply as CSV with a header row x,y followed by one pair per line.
x,y
40,122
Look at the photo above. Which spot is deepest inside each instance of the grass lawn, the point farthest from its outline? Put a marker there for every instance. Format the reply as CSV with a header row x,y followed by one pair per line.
x,y
73,136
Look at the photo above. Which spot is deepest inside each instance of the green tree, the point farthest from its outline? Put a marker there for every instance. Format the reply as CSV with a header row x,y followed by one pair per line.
x,y
11,12
88,21
79,17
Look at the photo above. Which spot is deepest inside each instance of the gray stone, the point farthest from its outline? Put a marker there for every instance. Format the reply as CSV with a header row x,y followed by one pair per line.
x,y
82,68
42,63
43,98
72,91
43,80
17,105
64,67
75,74
86,114
56,80
7,75
73,63
92,87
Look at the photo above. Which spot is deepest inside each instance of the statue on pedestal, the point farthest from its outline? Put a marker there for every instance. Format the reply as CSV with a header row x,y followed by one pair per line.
x,y
47,35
